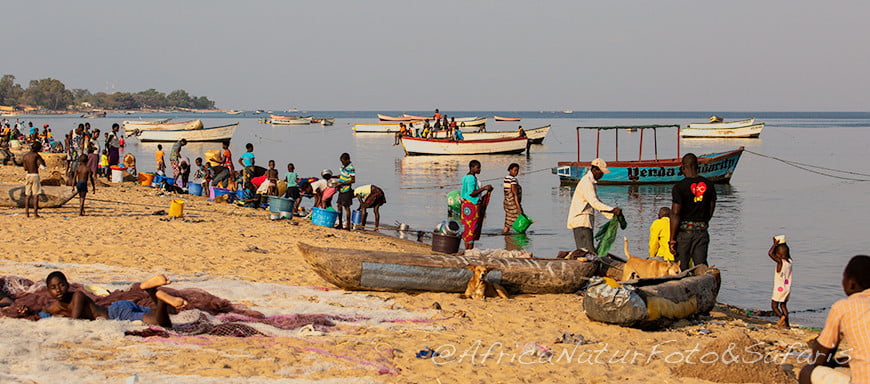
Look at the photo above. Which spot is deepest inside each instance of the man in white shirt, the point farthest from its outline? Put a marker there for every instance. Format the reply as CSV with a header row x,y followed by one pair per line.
x,y
581,216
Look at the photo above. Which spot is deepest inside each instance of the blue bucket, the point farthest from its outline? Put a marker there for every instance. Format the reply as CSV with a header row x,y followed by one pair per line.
x,y
240,194
169,180
194,189
279,204
356,217
158,179
221,192
323,217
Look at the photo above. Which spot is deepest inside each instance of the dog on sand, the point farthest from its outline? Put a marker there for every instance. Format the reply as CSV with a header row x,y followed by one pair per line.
x,y
478,288
637,268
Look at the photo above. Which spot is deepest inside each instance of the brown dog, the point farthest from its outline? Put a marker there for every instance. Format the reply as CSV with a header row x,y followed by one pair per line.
x,y
637,268
479,288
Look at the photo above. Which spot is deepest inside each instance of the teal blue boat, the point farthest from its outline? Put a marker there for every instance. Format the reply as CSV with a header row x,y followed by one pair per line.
x,y
717,167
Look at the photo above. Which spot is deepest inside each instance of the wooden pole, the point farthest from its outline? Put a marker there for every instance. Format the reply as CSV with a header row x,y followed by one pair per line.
x,y
678,142
640,151
597,142
656,143
617,144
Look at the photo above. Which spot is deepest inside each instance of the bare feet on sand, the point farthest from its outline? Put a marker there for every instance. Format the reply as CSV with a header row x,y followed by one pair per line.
x,y
176,302
155,281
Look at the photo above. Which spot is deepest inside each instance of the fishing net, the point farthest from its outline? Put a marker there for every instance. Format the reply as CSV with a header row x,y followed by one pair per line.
x,y
607,234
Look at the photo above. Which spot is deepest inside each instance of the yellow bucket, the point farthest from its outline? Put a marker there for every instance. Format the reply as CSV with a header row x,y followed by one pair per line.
x,y
146,178
176,208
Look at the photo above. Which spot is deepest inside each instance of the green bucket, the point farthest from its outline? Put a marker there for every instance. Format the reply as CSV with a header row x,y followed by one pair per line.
x,y
522,223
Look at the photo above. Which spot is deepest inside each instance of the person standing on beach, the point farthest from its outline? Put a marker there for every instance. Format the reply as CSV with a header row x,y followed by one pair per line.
x,y
159,159
80,182
782,280
247,161
513,196
32,187
346,178
660,235
581,215
693,203
175,157
113,143
474,203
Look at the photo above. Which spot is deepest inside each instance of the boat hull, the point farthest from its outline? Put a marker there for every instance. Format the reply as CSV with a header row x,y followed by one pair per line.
x,y
653,303
535,136
723,125
748,131
181,125
499,118
221,133
299,121
394,118
419,146
392,271
12,196
717,167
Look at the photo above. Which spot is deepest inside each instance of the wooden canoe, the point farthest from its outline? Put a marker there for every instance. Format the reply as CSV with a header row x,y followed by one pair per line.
x,y
353,269
499,118
221,133
652,303
535,135
174,126
13,196
420,146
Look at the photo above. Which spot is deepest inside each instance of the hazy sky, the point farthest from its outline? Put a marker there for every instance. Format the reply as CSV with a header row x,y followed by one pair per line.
x,y
457,55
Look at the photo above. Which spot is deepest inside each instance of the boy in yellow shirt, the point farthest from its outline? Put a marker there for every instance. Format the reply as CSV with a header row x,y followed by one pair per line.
x,y
659,234
158,159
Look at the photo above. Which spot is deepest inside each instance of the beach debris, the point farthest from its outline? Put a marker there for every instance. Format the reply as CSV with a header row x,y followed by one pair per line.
x,y
308,330
254,248
436,305
570,338
159,213
426,353
537,349
699,331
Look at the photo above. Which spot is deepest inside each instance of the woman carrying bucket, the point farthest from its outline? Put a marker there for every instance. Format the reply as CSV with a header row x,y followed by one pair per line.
x,y
370,196
513,195
474,203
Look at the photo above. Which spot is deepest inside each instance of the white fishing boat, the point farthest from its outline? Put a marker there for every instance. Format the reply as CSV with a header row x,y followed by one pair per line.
x,y
472,121
296,121
722,129
420,146
125,123
535,135
220,133
385,127
166,126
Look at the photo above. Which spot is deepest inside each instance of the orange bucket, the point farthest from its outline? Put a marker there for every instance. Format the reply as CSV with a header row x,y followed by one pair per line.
x,y
146,178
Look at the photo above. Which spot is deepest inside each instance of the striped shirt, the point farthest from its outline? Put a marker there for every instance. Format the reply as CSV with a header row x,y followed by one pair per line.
x,y
849,322
508,181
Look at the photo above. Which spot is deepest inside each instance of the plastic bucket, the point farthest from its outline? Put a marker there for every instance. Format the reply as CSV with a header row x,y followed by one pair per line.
x,y
356,217
169,181
323,217
194,189
522,223
279,204
145,178
118,174
176,208
445,243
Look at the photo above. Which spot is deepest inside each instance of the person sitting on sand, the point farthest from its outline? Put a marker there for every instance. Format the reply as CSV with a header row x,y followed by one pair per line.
x,y
251,199
80,182
77,305
848,321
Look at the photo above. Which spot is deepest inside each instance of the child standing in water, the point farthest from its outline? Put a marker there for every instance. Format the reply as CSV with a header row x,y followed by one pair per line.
x,y
782,281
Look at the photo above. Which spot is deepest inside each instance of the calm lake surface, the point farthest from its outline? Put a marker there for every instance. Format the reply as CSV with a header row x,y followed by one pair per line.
x,y
825,219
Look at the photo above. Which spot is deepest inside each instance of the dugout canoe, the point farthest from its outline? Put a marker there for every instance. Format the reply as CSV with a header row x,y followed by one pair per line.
x,y
165,126
361,270
12,196
652,303
221,133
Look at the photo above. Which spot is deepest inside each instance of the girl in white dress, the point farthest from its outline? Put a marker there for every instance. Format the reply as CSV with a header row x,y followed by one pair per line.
x,y
782,281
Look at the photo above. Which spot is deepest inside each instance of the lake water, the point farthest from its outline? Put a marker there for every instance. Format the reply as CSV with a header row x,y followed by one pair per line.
x,y
825,219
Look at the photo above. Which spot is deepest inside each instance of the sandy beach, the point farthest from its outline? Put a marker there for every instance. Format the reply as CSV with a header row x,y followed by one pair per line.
x,y
239,254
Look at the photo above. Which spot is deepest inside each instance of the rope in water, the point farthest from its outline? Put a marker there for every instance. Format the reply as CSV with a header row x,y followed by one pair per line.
x,y
442,186
807,167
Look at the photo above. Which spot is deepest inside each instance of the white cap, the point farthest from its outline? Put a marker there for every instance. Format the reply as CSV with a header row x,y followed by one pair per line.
x,y
601,164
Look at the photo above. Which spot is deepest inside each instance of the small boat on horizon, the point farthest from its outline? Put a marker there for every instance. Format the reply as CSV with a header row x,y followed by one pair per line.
x,y
499,118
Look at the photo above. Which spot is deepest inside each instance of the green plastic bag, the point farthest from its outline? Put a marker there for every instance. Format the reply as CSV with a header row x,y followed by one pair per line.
x,y
607,234
454,201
